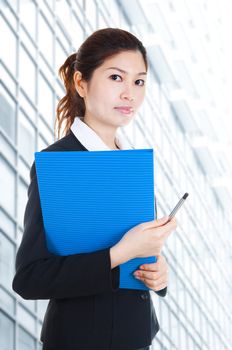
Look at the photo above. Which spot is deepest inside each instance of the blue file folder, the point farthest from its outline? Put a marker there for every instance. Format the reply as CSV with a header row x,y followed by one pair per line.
x,y
89,200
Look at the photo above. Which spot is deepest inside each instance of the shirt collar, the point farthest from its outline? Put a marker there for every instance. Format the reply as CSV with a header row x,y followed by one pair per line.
x,y
91,140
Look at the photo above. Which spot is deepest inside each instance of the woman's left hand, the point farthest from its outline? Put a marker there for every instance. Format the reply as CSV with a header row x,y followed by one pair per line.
x,y
154,275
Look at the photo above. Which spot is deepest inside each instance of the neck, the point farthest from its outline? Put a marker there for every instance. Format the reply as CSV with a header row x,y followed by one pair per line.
x,y
105,132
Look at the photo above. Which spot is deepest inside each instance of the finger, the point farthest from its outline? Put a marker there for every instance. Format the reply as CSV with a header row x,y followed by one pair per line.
x,y
149,267
154,276
171,225
147,275
160,264
166,229
155,286
155,223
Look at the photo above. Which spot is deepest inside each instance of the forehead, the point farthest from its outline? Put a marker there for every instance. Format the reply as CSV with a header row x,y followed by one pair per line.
x,y
130,61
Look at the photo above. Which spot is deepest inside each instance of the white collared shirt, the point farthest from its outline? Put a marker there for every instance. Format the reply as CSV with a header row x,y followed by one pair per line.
x,y
91,140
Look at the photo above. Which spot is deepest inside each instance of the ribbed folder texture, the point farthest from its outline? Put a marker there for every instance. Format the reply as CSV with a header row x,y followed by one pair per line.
x,y
89,200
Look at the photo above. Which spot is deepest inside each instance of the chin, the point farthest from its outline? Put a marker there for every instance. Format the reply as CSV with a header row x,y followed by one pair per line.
x,y
125,122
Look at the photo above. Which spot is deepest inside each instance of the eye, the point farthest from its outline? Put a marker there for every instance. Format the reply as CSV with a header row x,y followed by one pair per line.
x,y
114,77
142,82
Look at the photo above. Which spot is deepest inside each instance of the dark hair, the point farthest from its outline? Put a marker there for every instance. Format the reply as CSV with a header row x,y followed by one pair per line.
x,y
100,45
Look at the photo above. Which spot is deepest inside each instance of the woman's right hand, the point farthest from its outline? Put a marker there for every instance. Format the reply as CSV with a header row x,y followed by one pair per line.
x,y
147,238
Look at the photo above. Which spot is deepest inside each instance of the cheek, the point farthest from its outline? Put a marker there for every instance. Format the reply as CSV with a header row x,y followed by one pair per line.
x,y
94,99
101,94
140,97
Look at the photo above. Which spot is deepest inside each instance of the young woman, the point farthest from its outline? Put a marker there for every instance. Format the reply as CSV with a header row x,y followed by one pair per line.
x,y
105,86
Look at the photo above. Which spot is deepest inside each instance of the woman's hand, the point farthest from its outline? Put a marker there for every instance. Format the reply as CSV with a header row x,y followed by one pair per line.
x,y
147,238
143,240
154,275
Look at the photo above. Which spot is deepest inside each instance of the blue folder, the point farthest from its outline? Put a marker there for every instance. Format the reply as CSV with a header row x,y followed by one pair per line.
x,y
89,200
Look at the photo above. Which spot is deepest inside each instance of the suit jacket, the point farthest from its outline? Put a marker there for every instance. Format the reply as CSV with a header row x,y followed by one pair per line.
x,y
86,310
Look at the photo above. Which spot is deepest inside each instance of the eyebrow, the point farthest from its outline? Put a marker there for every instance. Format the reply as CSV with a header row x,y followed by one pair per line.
x,y
123,71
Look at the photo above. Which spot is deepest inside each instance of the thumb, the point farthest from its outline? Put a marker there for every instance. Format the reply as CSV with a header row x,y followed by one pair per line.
x,y
156,222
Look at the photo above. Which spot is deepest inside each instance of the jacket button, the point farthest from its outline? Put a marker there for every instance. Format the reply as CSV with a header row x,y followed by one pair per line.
x,y
144,296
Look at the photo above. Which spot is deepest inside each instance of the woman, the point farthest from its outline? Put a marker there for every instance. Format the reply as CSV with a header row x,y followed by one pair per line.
x,y
105,86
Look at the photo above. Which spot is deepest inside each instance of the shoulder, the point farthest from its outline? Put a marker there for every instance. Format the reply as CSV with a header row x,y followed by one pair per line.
x,y
66,143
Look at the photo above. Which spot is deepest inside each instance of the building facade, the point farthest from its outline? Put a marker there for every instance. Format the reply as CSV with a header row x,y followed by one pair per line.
x,y
182,118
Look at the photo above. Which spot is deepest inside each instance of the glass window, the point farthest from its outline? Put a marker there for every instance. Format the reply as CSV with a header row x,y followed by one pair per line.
x,y
47,9
63,11
41,143
7,225
26,319
27,74
25,340
172,280
174,327
39,329
164,317
6,7
7,252
8,52
60,56
43,130
157,132
22,200
45,101
69,20
189,306
7,115
140,140
29,304
7,187
63,37
27,106
183,338
24,170
90,12
41,308
6,301
77,31
8,151
45,39
26,138
28,43
7,80
19,236
28,16
6,333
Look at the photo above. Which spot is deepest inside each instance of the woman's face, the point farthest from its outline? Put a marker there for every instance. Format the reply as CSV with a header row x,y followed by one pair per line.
x,y
116,89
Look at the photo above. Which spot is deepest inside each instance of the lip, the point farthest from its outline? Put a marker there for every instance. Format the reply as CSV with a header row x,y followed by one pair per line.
x,y
124,109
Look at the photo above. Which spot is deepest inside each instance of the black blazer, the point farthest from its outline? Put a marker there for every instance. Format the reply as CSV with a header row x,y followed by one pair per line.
x,y
87,310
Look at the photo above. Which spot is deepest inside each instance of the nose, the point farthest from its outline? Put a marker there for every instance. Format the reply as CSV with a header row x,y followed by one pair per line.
x,y
127,94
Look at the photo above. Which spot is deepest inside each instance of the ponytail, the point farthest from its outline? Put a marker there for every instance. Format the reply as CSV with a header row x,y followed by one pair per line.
x,y
72,103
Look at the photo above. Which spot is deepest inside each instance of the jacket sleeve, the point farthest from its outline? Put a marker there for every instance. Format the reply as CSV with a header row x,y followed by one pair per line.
x,y
162,292
43,275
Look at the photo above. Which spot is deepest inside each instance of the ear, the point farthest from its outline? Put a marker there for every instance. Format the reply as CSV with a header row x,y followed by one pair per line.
x,y
80,84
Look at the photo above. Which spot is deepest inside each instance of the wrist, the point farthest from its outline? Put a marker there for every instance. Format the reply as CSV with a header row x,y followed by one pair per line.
x,y
119,255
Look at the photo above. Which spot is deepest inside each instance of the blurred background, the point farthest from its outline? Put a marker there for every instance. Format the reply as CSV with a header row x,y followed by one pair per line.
x,y
186,118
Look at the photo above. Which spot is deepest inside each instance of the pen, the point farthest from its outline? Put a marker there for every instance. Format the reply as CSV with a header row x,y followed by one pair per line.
x,y
177,207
